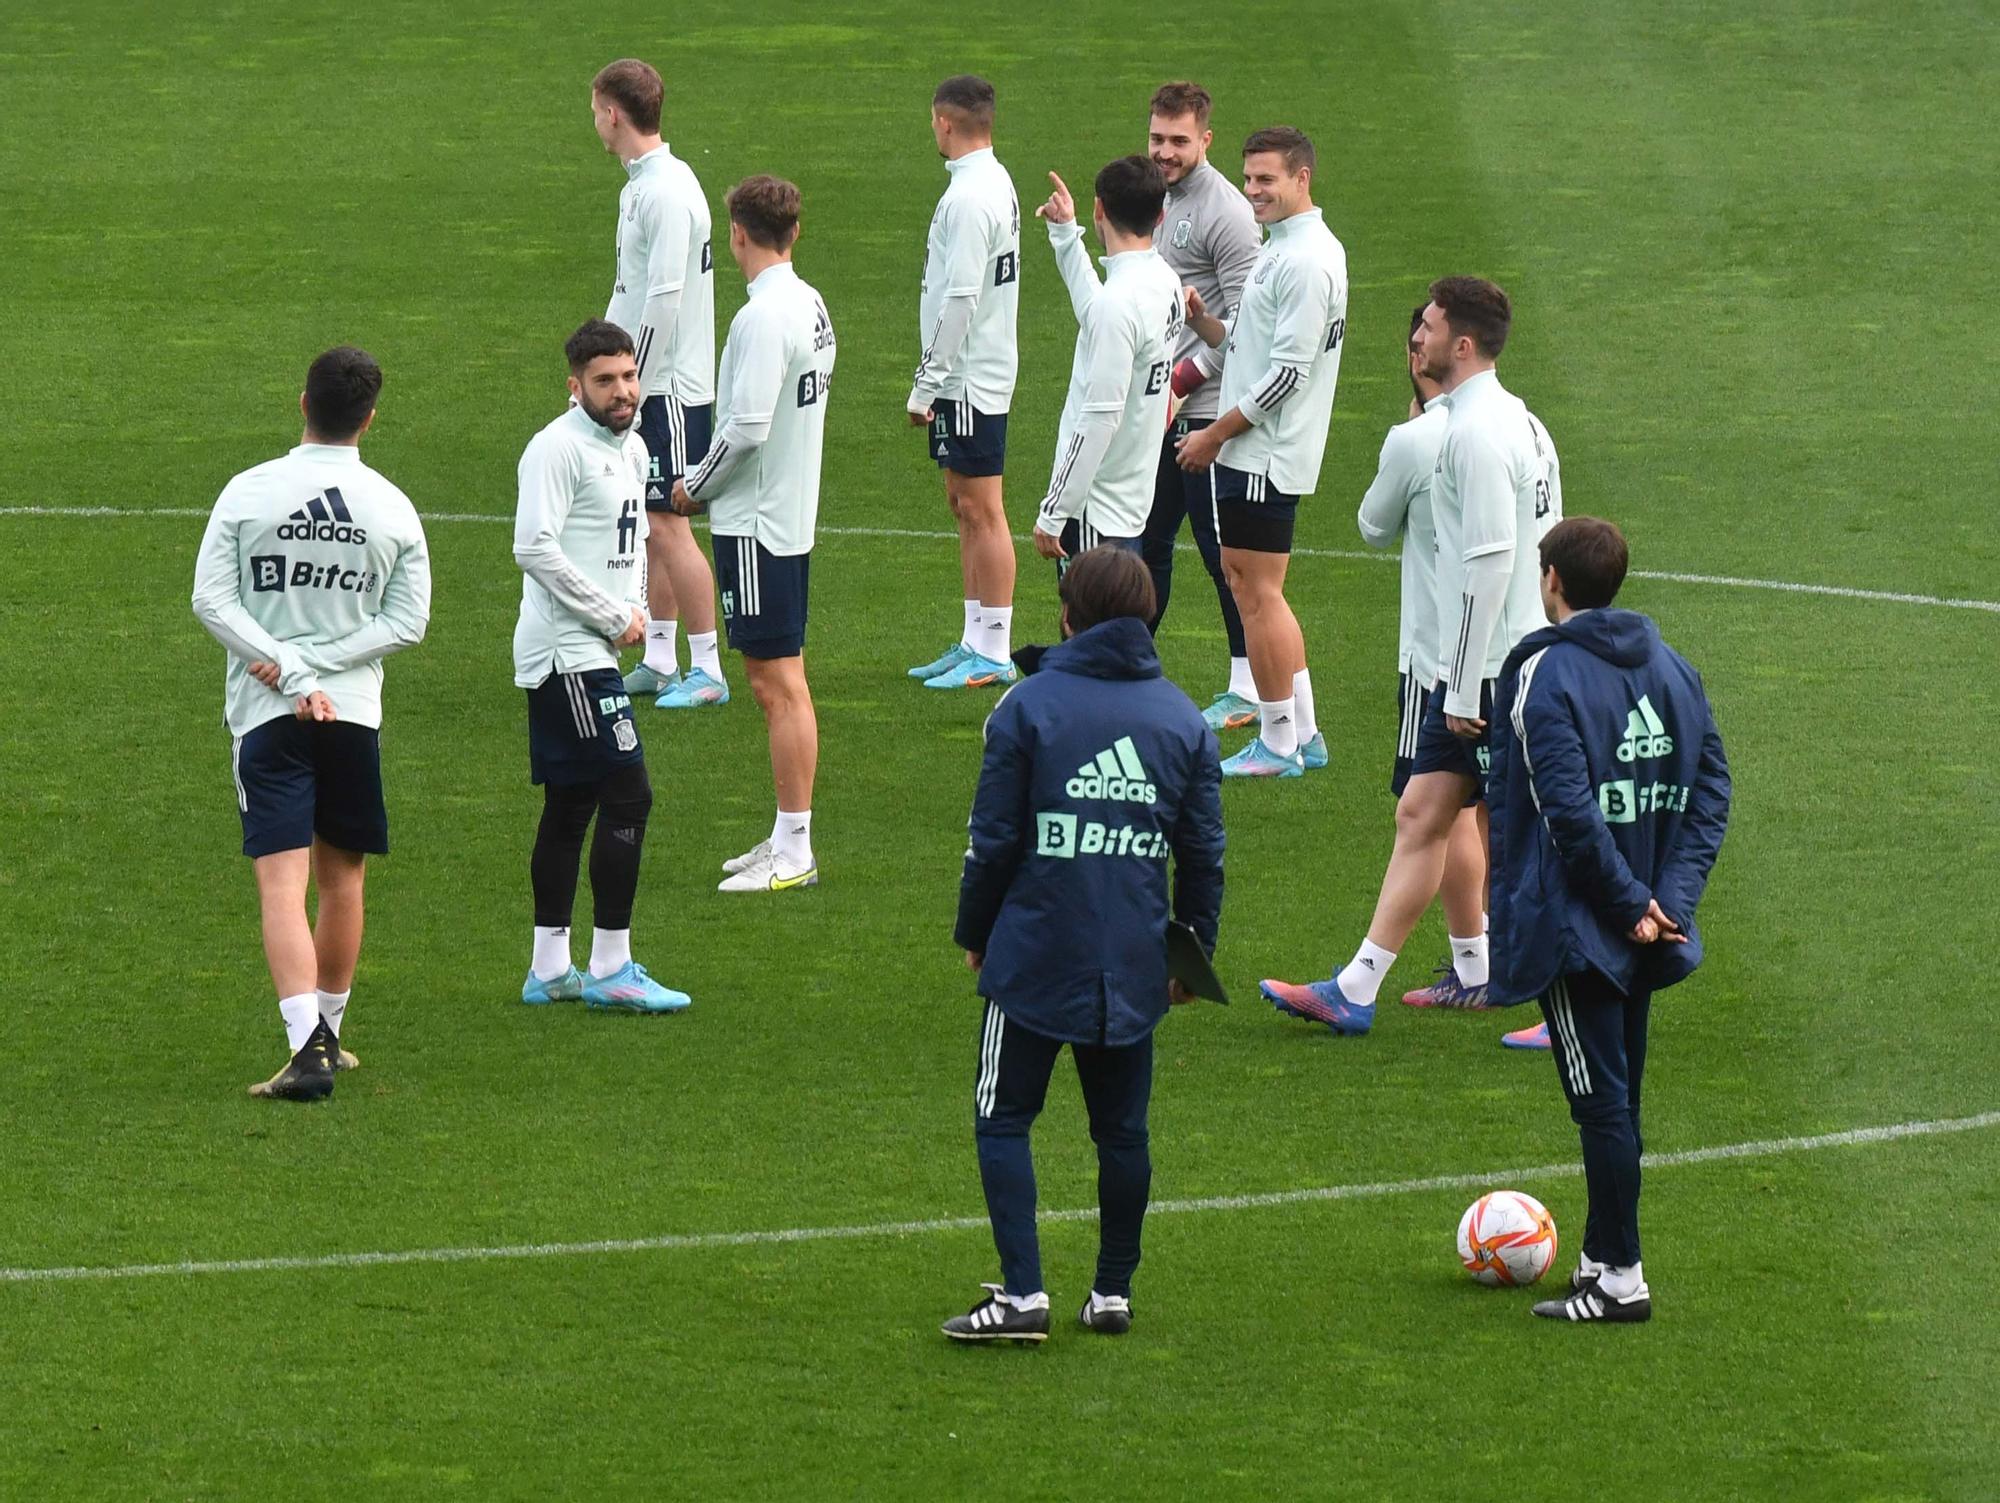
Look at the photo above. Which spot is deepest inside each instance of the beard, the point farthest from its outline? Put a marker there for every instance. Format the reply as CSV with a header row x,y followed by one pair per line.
x,y
603,418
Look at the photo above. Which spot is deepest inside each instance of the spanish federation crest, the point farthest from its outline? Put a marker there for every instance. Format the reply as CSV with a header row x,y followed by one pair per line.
x,y
1183,233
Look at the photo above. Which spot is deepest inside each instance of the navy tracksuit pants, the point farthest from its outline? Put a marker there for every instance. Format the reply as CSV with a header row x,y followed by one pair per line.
x,y
1015,1064
1178,494
1598,1036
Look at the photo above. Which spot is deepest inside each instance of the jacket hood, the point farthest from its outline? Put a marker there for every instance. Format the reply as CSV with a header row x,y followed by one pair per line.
x,y
1120,648
1624,638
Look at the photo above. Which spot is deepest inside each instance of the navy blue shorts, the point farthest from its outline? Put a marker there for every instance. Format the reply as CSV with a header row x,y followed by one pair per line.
x,y
1079,537
1438,750
967,441
580,727
1411,697
677,439
1249,514
763,597
296,779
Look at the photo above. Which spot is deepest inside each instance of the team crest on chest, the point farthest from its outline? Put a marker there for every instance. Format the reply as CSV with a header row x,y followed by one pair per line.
x,y
1183,233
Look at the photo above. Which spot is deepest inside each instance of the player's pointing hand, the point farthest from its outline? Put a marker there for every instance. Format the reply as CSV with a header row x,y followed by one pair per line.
x,y
1061,207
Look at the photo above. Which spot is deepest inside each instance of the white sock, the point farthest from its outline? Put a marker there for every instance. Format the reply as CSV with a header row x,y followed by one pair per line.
x,y
1101,1302
661,654
996,632
551,953
1623,1283
301,1014
1302,696
703,654
1039,1300
969,638
1485,923
610,950
333,1007
791,839
1281,726
1242,682
1362,977
1468,958
1587,1265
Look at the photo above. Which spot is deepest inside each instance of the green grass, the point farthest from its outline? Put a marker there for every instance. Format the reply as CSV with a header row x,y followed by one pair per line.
x,y
1754,290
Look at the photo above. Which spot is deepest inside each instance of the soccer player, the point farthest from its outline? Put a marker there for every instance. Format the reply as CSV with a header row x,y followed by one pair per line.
x,y
1265,449
1062,914
760,485
1610,795
665,299
1496,488
1398,504
1210,238
965,380
313,569
1107,448
578,528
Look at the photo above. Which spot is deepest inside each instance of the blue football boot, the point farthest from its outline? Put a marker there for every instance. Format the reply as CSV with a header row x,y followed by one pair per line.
x,y
1320,1002
630,989
1258,761
568,987
644,680
974,672
944,662
692,690
1312,756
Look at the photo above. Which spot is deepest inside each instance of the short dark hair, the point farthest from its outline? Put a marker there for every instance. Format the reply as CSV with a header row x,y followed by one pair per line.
x,y
768,209
1293,144
1133,190
1417,318
341,388
1173,100
1590,558
1103,583
969,95
636,89
1476,308
593,339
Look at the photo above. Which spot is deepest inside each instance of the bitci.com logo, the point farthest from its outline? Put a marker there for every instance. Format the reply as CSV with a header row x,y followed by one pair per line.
x,y
272,572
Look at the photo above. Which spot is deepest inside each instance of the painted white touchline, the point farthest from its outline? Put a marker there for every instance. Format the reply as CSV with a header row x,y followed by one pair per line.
x,y
689,1241
1783,586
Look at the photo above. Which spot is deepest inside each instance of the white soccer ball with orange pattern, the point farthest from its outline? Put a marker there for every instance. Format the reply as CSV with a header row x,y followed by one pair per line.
x,y
1507,1238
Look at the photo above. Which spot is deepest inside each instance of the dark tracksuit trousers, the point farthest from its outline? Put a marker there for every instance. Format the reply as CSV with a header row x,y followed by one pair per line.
x,y
1015,1064
1598,1036
1178,494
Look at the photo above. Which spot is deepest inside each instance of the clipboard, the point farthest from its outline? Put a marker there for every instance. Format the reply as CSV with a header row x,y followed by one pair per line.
x,y
1188,964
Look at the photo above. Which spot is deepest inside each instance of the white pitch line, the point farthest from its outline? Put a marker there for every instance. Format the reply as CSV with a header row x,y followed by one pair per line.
x,y
695,1241
1782,586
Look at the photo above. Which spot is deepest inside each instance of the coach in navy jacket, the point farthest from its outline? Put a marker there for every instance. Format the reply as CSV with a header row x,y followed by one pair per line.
x,y
1097,769
1097,773
1609,794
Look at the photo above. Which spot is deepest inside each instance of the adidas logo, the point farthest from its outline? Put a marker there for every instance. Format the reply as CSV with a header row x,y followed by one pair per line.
x,y
1115,773
1645,734
324,519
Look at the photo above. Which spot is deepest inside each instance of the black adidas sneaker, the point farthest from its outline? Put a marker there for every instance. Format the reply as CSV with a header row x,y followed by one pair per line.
x,y
996,1319
1590,1302
309,1075
1110,1317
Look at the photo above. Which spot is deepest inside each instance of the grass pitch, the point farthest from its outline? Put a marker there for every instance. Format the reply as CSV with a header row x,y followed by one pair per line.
x,y
1732,237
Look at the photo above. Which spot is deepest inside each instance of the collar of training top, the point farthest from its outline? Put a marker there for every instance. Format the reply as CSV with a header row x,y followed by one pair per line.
x,y
983,154
776,272
1297,222
632,167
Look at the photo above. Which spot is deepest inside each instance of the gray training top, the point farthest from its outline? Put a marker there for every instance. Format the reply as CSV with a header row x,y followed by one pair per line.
x,y
1210,239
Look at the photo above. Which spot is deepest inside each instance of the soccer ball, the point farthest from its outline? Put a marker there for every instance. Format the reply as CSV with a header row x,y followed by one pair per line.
x,y
1506,1239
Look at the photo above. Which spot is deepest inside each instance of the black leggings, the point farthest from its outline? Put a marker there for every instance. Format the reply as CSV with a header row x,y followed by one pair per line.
x,y
621,803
